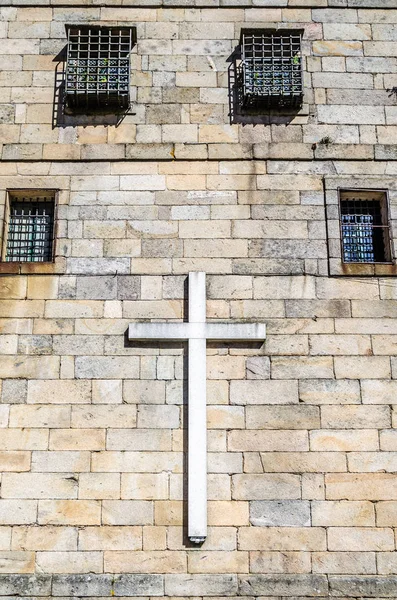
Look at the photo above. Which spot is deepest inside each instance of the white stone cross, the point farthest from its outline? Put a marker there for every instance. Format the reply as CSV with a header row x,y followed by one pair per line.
x,y
196,332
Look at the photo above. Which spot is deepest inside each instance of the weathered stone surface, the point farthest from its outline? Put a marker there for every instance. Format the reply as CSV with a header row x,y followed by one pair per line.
x,y
309,585
276,513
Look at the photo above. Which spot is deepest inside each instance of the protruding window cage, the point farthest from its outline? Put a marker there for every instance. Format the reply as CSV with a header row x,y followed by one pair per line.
x,y
30,235
269,73
98,68
365,229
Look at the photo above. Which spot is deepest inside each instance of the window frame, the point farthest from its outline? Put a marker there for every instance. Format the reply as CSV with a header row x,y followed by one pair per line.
x,y
54,265
336,265
360,194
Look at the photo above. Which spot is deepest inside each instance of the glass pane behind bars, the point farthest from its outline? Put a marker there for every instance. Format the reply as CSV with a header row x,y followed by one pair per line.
x,y
30,231
364,233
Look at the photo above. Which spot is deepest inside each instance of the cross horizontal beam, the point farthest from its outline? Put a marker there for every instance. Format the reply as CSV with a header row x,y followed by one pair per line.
x,y
217,332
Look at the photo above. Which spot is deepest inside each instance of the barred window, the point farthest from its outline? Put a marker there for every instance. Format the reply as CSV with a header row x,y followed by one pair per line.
x,y
98,68
271,68
30,231
365,230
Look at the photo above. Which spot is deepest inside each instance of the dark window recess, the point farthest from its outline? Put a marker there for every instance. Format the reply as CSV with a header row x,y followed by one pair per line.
x,y
30,230
365,232
98,68
270,72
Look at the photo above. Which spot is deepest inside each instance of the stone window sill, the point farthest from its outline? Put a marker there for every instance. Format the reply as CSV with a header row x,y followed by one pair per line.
x,y
56,267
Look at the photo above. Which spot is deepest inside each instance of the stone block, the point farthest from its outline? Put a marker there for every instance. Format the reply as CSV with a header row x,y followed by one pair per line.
x,y
357,486
356,563
209,585
299,585
282,417
218,562
144,486
280,513
268,486
282,538
344,440
38,485
59,392
343,513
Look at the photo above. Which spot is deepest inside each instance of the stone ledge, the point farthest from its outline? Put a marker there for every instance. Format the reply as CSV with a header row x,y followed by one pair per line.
x,y
285,586
381,4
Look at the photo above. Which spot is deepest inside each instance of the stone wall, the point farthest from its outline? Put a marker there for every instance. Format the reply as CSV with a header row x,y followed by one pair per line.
x,y
179,93
302,431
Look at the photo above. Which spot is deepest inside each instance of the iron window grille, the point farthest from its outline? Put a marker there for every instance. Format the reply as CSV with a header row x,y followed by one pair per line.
x,y
98,68
364,225
30,236
270,72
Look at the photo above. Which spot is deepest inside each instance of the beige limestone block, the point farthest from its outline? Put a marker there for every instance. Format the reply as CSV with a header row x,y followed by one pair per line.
x,y
158,416
38,485
387,563
145,562
137,462
102,416
99,486
344,440
168,512
74,309
357,367
225,417
144,486
69,512
355,417
106,391
77,439
21,308
60,462
218,562
154,538
24,439
224,513
282,538
276,441
282,417
329,391
280,562
144,391
303,462
343,513
365,486
59,392
31,367
386,513
69,562
13,287
302,367
357,538
14,461
110,538
356,563
265,486
225,367
17,562
39,415
44,538
140,439
127,512
247,392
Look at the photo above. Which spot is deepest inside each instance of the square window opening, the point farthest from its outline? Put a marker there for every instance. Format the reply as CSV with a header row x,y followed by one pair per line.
x,y
98,68
270,72
364,227
29,227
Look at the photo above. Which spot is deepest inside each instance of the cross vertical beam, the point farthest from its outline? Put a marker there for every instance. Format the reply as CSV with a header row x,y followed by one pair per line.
x,y
197,414
196,332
